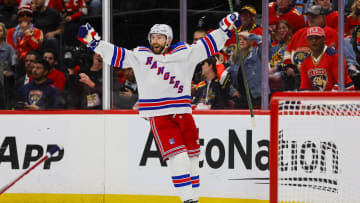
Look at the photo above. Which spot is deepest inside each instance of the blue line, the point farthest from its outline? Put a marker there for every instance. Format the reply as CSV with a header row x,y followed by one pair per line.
x,y
196,185
194,177
182,184
164,107
180,177
114,57
206,47
163,99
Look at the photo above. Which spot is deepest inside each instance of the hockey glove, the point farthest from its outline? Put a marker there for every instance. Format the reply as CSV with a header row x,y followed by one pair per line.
x,y
229,22
88,36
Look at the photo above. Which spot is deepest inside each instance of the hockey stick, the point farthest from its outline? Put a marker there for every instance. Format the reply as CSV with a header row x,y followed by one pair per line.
x,y
48,155
248,97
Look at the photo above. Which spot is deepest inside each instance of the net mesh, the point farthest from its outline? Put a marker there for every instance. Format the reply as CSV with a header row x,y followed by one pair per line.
x,y
316,143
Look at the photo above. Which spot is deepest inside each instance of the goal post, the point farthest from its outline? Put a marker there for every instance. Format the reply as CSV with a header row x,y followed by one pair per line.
x,y
314,147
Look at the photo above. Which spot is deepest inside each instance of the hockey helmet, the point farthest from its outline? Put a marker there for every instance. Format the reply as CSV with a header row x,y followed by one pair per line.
x,y
162,29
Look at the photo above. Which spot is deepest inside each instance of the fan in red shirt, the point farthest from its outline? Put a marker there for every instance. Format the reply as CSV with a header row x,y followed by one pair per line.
x,y
298,48
353,19
284,10
319,71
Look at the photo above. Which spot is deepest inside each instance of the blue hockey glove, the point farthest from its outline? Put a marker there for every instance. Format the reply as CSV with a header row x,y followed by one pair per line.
x,y
230,22
88,36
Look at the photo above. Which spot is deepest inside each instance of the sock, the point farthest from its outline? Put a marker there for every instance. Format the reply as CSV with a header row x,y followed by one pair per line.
x,y
180,165
195,177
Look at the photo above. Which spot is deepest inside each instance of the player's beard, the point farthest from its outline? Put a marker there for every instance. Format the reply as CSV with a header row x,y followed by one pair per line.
x,y
157,48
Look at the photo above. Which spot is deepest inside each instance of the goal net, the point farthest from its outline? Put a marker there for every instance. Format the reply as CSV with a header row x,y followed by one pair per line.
x,y
315,147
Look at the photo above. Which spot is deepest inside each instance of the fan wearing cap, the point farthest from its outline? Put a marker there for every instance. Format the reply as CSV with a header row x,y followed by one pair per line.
x,y
331,16
25,37
247,17
285,10
298,48
319,71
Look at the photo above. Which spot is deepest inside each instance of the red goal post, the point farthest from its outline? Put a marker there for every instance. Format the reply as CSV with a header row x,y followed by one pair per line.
x,y
313,107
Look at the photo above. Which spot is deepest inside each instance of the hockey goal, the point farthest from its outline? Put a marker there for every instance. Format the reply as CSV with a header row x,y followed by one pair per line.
x,y
315,147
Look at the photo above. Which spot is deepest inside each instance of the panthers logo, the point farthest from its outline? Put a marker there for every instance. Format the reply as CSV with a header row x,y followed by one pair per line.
x,y
34,96
299,57
318,78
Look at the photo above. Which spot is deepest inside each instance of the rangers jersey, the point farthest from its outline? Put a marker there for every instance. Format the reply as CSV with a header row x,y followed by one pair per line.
x,y
164,80
322,75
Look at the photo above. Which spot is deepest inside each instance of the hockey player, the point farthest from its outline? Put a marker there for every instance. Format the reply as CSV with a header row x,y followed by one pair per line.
x,y
319,71
163,73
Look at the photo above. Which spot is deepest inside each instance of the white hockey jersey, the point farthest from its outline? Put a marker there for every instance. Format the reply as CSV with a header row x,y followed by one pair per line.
x,y
164,80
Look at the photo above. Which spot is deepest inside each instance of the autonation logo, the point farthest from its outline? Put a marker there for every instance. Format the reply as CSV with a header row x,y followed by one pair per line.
x,y
308,163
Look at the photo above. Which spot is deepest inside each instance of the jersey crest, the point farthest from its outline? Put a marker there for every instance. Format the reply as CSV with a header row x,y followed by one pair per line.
x,y
300,55
318,78
35,96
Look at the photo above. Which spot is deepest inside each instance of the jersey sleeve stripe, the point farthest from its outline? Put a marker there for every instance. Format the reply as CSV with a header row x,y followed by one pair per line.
x,y
206,47
119,53
122,57
210,45
213,43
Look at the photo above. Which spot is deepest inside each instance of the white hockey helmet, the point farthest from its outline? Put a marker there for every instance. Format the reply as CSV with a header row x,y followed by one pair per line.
x,y
162,29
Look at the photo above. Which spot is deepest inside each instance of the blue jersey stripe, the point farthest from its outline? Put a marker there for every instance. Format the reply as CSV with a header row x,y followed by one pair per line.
x,y
179,50
180,177
206,47
182,184
164,107
194,177
164,99
196,185
113,60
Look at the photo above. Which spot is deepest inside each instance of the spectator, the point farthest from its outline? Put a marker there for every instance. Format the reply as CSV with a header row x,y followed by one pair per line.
x,y
210,93
128,91
284,10
40,93
283,34
49,21
94,7
7,53
331,18
319,71
198,34
353,19
29,61
7,62
87,92
247,17
25,37
298,48
73,11
8,14
251,57
56,76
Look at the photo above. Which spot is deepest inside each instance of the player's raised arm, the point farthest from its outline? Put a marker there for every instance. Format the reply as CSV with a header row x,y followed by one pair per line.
x,y
214,42
113,55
